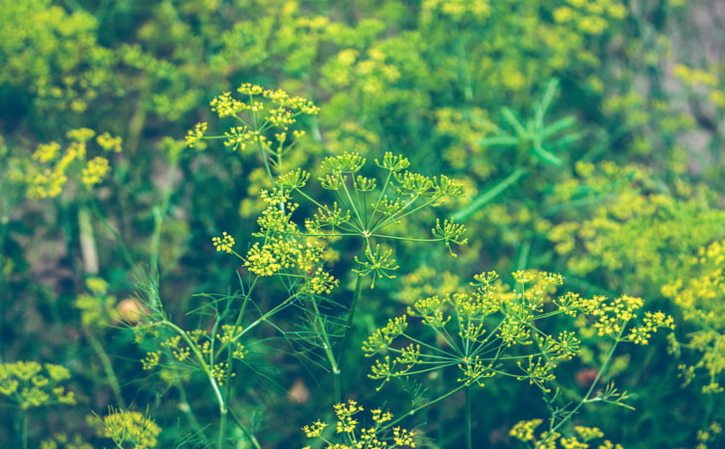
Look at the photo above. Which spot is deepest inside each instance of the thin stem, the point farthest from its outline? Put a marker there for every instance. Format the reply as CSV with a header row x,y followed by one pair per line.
x,y
89,251
469,434
222,429
159,213
346,332
489,195
24,429
589,392
107,367
185,408
202,362
360,220
266,316
261,149
381,196
426,345
327,347
353,305
424,406
397,215
250,436
407,239
438,366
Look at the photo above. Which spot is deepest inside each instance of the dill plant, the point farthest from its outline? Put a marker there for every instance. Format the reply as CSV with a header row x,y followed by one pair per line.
x,y
495,332
386,74
354,434
294,255
29,385
127,429
215,351
700,295
489,331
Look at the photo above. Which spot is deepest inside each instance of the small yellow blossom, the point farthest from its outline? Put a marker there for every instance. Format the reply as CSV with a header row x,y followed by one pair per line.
x,y
225,243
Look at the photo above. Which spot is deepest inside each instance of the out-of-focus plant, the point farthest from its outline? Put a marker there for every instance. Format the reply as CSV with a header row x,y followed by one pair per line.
x,y
583,438
699,293
28,385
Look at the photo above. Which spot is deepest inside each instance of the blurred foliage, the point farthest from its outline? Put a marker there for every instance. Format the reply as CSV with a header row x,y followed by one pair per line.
x,y
586,138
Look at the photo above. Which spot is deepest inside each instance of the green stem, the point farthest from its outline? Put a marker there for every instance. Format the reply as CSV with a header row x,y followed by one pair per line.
x,y
107,368
202,362
4,255
24,429
424,406
341,351
89,251
262,152
160,213
489,194
469,434
185,408
327,347
250,436
353,306
266,316
222,428
589,392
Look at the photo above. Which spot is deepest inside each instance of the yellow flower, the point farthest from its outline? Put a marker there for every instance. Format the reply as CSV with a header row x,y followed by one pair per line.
x,y
315,429
194,136
109,143
94,171
129,428
225,243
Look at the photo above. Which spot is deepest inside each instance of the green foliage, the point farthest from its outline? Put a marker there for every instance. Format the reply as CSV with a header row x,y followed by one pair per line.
x,y
332,146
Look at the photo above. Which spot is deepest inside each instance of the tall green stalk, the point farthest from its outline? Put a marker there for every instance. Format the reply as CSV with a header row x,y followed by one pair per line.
x,y
24,429
469,434
489,194
160,213
345,336
107,368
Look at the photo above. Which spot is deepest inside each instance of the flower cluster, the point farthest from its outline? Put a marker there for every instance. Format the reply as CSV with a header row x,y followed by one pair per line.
x,y
700,294
353,435
361,209
590,17
194,136
199,349
97,307
225,243
708,435
627,235
457,10
263,120
47,172
488,330
703,79
284,250
55,55
65,441
128,430
31,385
373,208
583,437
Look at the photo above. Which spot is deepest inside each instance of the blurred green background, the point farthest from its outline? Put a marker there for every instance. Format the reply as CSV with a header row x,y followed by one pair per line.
x,y
588,134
